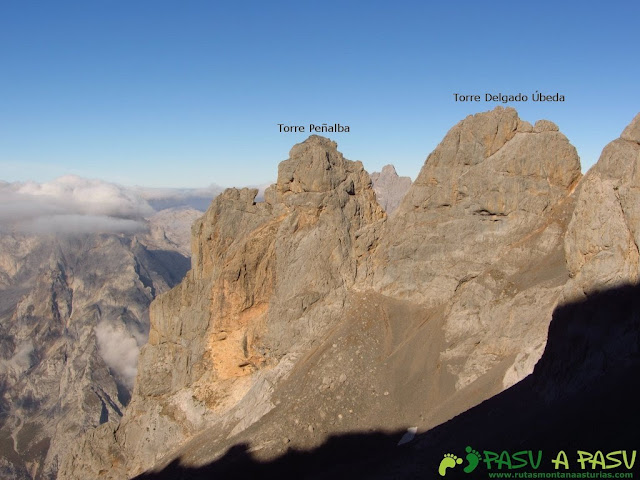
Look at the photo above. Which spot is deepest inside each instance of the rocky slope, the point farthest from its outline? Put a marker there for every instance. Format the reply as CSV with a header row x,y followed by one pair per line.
x,y
73,316
314,314
389,187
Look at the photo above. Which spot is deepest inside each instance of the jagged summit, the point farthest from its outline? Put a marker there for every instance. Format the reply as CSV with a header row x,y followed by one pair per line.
x,y
544,126
312,141
490,182
614,163
632,132
389,170
316,166
604,232
499,163
389,187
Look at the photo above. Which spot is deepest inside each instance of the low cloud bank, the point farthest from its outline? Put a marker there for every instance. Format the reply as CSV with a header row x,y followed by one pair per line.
x,y
161,198
69,224
89,197
72,205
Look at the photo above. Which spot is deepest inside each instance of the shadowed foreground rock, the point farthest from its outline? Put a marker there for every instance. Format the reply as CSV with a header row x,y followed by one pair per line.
x,y
573,401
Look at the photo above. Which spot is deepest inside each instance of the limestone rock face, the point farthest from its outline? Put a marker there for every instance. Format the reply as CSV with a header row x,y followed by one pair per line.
x,y
170,230
313,313
487,210
632,132
601,244
601,251
389,187
484,186
267,279
315,244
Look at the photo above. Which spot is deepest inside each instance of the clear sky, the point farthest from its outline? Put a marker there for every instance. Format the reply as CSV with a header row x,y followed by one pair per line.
x,y
189,93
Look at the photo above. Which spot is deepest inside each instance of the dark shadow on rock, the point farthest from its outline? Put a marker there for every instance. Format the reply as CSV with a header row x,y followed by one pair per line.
x,y
173,266
583,395
349,455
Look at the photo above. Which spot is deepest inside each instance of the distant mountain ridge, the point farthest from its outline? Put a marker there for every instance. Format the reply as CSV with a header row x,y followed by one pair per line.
x,y
73,316
167,198
389,187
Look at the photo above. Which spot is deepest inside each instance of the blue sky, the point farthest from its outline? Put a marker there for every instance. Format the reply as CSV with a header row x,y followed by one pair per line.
x,y
185,94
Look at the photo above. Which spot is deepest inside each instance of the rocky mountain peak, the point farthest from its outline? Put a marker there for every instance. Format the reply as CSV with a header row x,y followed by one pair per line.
x,y
267,278
389,170
614,164
604,233
545,126
389,187
316,166
632,132
313,141
496,163
492,180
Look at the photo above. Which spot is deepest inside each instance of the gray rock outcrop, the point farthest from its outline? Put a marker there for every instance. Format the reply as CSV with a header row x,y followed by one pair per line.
x,y
389,187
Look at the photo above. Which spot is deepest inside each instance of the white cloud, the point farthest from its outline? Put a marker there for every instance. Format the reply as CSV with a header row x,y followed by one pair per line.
x,y
20,361
88,196
72,204
119,350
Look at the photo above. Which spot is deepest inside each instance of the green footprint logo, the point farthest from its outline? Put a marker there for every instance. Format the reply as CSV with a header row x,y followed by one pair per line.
x,y
473,457
449,461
